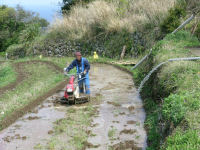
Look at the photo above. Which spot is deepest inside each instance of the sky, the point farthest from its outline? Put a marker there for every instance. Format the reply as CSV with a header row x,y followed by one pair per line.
x,y
47,9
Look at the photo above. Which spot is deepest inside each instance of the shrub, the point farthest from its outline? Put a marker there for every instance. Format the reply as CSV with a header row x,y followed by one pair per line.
x,y
16,51
29,34
105,27
174,108
173,19
183,140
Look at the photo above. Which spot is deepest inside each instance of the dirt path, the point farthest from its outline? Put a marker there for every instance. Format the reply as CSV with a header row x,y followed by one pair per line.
x,y
119,125
194,50
21,74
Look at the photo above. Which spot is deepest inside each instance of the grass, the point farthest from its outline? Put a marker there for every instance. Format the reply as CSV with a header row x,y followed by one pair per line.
x,y
40,80
112,16
174,96
71,132
105,26
112,133
172,103
7,74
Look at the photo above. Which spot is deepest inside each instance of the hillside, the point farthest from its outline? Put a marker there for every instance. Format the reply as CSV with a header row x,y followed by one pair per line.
x,y
114,119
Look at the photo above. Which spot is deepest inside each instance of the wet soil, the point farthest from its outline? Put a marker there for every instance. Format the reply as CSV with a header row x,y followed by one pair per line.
x,y
194,50
21,76
127,145
120,106
113,113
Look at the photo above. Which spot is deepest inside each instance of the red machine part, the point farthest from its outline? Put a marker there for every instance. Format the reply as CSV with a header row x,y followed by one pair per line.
x,y
70,85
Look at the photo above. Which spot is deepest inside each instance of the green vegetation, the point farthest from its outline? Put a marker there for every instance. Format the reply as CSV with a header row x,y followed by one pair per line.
x,y
75,123
174,97
7,74
171,96
39,80
68,4
173,20
18,26
112,133
105,27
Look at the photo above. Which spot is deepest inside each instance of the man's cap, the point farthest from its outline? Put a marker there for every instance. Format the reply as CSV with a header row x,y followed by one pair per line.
x,y
78,54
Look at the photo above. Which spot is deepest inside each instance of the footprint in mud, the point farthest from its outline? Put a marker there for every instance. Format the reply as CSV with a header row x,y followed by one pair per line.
x,y
114,103
50,132
17,126
109,87
122,113
131,122
8,139
128,131
115,122
125,146
131,108
33,118
89,145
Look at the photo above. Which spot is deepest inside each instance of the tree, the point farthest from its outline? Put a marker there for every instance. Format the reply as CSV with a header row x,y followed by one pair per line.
x,y
67,4
13,21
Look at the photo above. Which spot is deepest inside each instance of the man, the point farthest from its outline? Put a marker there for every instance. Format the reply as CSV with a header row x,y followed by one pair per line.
x,y
82,66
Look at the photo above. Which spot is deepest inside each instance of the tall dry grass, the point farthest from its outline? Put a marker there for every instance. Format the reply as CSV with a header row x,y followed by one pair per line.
x,y
112,16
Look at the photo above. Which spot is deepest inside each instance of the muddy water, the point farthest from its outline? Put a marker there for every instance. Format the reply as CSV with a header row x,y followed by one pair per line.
x,y
120,120
121,112
32,128
195,51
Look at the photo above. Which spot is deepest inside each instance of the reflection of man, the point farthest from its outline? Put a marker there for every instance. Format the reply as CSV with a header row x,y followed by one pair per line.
x,y
82,66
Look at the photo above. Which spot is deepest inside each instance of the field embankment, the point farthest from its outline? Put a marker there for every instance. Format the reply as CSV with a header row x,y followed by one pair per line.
x,y
35,80
105,27
112,116
171,96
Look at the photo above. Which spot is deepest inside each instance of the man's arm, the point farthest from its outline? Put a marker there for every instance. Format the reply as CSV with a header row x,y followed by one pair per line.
x,y
71,66
87,65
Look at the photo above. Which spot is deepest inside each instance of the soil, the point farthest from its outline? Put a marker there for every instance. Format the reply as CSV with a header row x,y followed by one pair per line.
x,y
194,50
21,76
117,100
50,132
128,131
114,104
33,117
131,122
127,145
89,145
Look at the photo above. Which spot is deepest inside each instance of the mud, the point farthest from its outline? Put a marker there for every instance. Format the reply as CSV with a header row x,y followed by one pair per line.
x,y
114,102
33,128
33,117
119,105
194,50
127,145
21,76
131,122
89,145
128,131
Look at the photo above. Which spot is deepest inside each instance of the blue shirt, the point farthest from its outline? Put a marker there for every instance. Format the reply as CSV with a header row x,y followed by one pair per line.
x,y
76,62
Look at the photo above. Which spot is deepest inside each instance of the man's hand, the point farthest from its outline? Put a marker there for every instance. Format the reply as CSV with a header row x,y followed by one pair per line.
x,y
85,72
65,71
